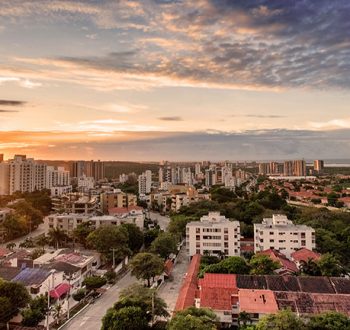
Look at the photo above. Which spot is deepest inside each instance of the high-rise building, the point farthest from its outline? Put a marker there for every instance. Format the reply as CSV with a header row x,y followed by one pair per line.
x,y
57,177
197,169
78,169
145,182
299,168
1,158
288,168
210,177
4,178
318,165
264,168
26,175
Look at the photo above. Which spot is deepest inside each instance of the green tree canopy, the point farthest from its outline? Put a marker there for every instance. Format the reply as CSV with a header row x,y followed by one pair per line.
x,y
328,321
94,282
135,236
106,238
131,318
330,266
282,320
262,265
194,318
164,245
146,266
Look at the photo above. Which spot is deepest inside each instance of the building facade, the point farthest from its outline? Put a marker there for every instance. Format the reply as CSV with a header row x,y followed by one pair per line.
x,y
213,234
281,234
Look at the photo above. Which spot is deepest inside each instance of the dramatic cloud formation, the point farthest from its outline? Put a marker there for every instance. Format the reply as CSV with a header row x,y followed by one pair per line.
x,y
141,78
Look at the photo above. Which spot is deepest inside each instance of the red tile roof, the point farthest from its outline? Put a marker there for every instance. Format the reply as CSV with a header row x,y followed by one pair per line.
x,y
59,290
304,255
218,281
188,289
4,252
257,301
281,258
122,210
217,290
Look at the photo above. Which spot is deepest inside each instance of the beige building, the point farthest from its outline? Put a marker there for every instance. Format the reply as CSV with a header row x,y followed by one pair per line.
x,y
213,234
116,198
281,234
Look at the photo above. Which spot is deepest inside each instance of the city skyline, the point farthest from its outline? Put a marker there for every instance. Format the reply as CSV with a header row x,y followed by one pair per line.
x,y
177,80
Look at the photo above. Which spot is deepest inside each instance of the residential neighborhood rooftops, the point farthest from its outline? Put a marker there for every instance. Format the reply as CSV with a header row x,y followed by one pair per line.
x,y
304,255
31,276
257,301
8,273
285,263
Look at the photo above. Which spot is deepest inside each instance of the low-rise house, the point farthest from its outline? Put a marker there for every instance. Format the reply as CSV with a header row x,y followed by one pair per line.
x,y
287,266
304,255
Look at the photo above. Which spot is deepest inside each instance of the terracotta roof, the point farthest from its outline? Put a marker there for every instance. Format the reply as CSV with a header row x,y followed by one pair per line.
x,y
188,289
257,301
218,281
216,291
4,252
281,258
122,210
59,290
304,255
313,303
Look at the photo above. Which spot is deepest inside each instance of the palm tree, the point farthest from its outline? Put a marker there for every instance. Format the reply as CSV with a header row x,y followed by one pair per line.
x,y
56,236
310,267
57,311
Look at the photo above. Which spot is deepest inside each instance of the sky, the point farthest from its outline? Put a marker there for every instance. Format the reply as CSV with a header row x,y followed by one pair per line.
x,y
175,79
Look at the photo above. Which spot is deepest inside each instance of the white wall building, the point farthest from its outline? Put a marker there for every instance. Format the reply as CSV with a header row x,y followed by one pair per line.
x,y
213,234
281,234
57,176
85,183
145,182
26,175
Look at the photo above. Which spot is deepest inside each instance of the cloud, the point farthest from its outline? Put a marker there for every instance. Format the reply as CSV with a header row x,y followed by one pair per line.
x,y
171,118
331,124
180,146
250,45
12,102
2,110
259,116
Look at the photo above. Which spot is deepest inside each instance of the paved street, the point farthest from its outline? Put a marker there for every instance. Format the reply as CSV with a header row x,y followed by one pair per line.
x,y
40,230
91,317
170,289
162,220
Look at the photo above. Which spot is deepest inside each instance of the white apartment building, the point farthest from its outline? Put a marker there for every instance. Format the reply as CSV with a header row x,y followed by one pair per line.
x,y
85,183
68,222
57,177
26,175
145,182
213,234
281,234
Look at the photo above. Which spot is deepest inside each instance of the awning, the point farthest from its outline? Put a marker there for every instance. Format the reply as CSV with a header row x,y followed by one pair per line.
x,y
59,290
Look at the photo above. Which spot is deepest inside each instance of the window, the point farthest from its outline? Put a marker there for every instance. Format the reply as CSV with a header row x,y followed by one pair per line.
x,y
198,251
226,230
272,240
303,242
226,237
302,235
198,230
271,232
198,244
198,237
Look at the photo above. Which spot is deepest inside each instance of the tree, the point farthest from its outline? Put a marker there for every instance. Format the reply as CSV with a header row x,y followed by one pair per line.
x,y
106,238
262,265
32,216
79,295
14,296
81,232
282,320
164,245
11,246
230,265
328,321
57,312
310,267
150,235
194,319
135,236
110,276
94,282
243,319
56,237
146,266
32,317
330,266
148,296
15,226
131,318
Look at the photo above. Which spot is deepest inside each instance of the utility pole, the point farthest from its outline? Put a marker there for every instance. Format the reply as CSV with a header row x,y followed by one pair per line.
x,y
152,320
113,250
